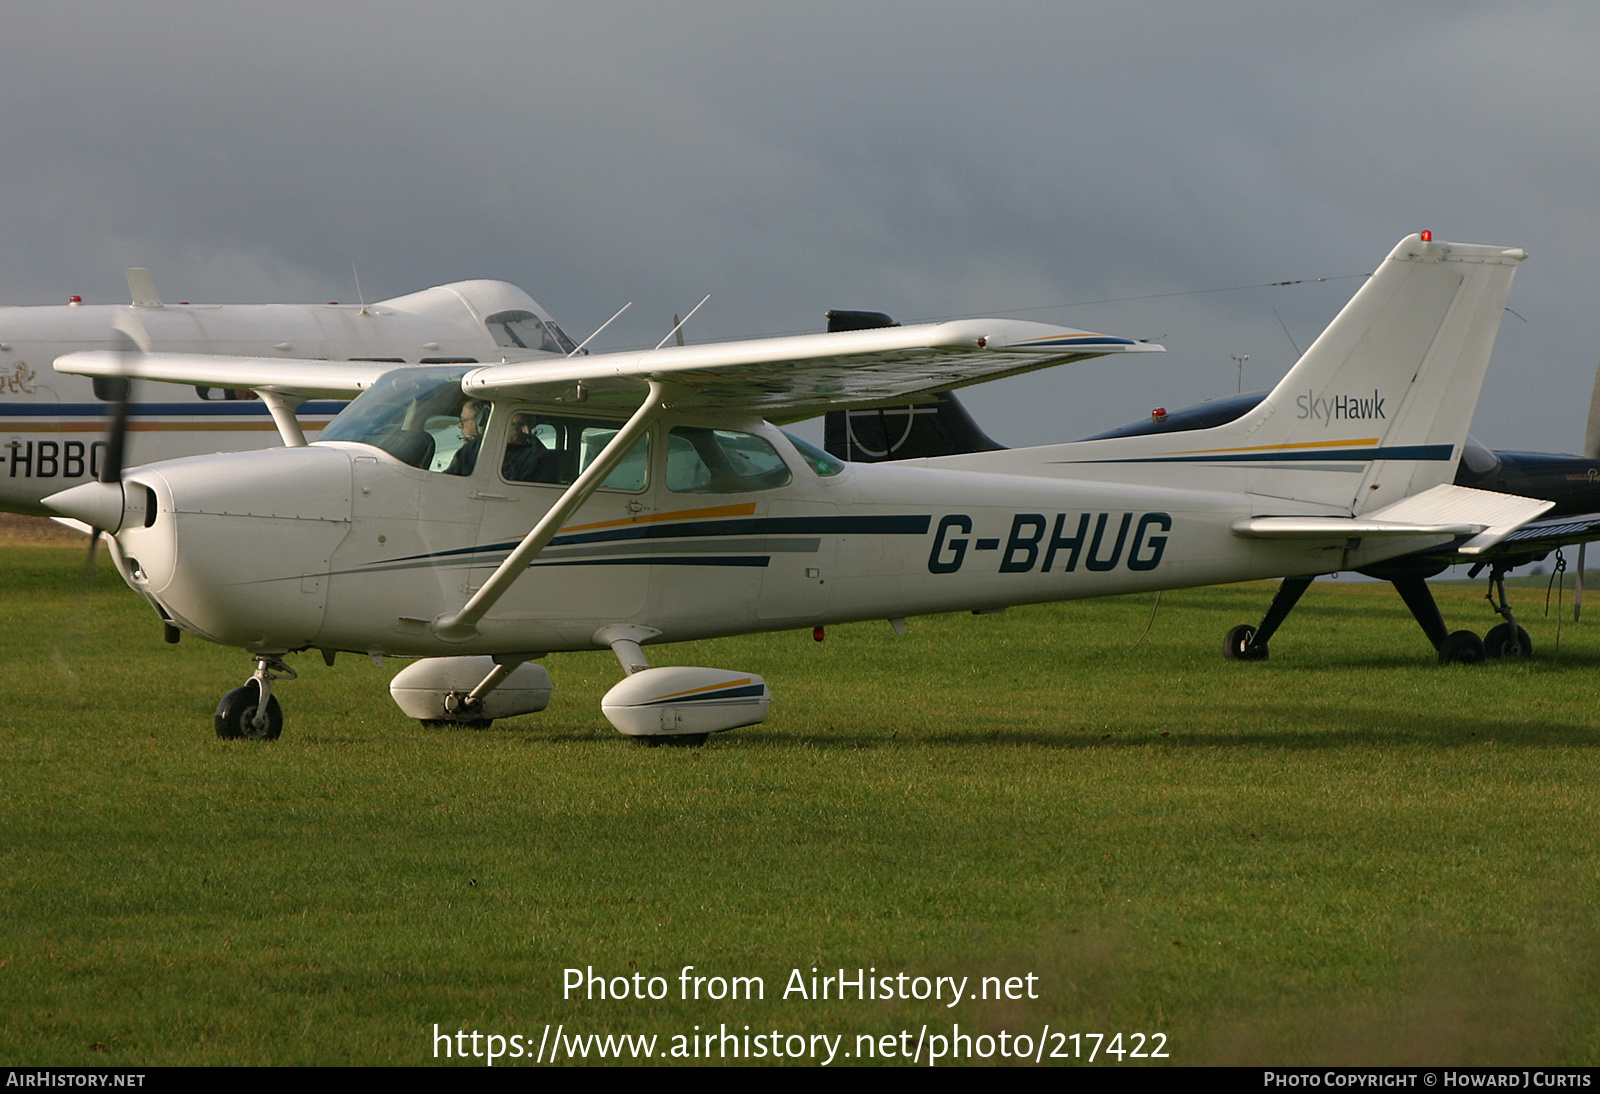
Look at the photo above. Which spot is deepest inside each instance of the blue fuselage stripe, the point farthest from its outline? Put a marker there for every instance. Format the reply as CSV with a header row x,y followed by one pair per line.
x,y
749,526
1344,455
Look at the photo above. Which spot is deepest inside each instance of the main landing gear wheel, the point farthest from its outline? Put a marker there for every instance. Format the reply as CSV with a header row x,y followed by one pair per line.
x,y
1462,648
1236,646
236,715
672,740
1504,640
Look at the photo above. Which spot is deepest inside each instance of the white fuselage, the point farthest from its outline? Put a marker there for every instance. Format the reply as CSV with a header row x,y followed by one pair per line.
x,y
343,547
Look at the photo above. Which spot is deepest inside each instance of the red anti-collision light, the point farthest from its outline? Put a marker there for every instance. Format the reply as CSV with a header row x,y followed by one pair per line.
x,y
1159,414
74,300
1427,237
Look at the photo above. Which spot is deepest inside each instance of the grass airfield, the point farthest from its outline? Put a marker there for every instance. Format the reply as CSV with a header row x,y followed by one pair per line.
x,y
1347,854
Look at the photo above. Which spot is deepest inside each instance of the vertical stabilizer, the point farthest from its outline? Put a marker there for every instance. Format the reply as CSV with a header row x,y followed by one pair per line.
x,y
1390,386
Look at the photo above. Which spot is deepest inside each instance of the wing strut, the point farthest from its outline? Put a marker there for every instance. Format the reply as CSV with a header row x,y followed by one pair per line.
x,y
461,625
282,406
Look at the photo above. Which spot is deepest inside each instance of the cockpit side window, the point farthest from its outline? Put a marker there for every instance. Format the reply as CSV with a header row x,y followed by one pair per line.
x,y
548,448
520,329
420,416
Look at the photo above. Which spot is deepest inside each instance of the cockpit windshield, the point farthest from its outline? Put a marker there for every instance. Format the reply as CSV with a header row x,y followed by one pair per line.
x,y
418,415
521,329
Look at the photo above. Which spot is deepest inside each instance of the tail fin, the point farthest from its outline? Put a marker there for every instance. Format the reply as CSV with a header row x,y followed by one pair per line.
x,y
1376,410
940,426
936,426
1395,377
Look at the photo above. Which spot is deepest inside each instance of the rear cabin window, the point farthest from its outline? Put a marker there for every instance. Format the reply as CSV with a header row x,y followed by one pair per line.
x,y
722,461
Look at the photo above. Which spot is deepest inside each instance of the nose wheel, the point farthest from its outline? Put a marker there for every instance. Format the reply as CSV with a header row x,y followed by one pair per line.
x,y
251,712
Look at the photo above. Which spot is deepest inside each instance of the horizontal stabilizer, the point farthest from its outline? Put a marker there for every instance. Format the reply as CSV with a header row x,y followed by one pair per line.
x,y
1444,510
1498,515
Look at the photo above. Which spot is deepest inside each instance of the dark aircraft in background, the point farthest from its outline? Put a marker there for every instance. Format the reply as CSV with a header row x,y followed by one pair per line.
x,y
944,428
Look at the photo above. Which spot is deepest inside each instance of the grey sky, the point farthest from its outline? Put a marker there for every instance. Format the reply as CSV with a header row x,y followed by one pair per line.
x,y
923,159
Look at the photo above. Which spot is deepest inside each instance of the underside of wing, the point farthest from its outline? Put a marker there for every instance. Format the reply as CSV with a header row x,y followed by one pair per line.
x,y
784,379
290,376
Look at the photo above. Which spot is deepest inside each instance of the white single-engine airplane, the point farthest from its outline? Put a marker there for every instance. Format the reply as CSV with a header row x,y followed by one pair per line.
x,y
622,499
50,423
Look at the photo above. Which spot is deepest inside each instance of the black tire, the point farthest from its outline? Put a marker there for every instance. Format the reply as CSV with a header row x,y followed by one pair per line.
x,y
1501,641
451,723
1462,648
1236,646
684,740
672,740
236,715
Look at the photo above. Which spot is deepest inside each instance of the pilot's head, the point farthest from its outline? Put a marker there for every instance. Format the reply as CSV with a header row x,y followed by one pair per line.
x,y
521,429
471,415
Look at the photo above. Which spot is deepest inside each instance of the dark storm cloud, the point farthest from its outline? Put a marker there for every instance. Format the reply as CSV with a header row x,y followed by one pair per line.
x,y
922,159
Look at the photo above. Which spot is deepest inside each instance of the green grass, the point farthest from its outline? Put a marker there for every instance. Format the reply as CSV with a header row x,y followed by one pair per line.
x,y
1347,854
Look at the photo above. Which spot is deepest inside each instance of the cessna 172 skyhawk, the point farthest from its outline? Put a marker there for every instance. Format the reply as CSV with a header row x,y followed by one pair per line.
x,y
50,423
627,498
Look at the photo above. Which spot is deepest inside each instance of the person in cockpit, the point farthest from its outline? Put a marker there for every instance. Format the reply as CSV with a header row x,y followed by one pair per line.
x,y
473,412
527,459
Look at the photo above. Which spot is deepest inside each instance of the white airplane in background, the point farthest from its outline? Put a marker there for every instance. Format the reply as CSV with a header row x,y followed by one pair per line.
x,y
52,424
629,498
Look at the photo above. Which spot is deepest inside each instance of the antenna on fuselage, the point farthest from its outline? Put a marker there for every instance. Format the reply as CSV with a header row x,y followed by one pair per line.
x,y
359,297
142,288
579,347
679,325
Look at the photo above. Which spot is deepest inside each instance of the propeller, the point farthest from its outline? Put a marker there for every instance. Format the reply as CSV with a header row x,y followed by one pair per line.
x,y
99,504
128,338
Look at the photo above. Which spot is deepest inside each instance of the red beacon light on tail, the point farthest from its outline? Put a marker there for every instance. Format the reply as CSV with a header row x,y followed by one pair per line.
x,y
1159,414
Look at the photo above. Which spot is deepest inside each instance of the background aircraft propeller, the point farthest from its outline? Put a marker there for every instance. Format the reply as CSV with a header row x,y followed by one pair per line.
x,y
1591,451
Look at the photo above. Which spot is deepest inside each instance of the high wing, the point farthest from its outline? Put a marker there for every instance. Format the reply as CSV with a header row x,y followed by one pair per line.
x,y
784,379
779,378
